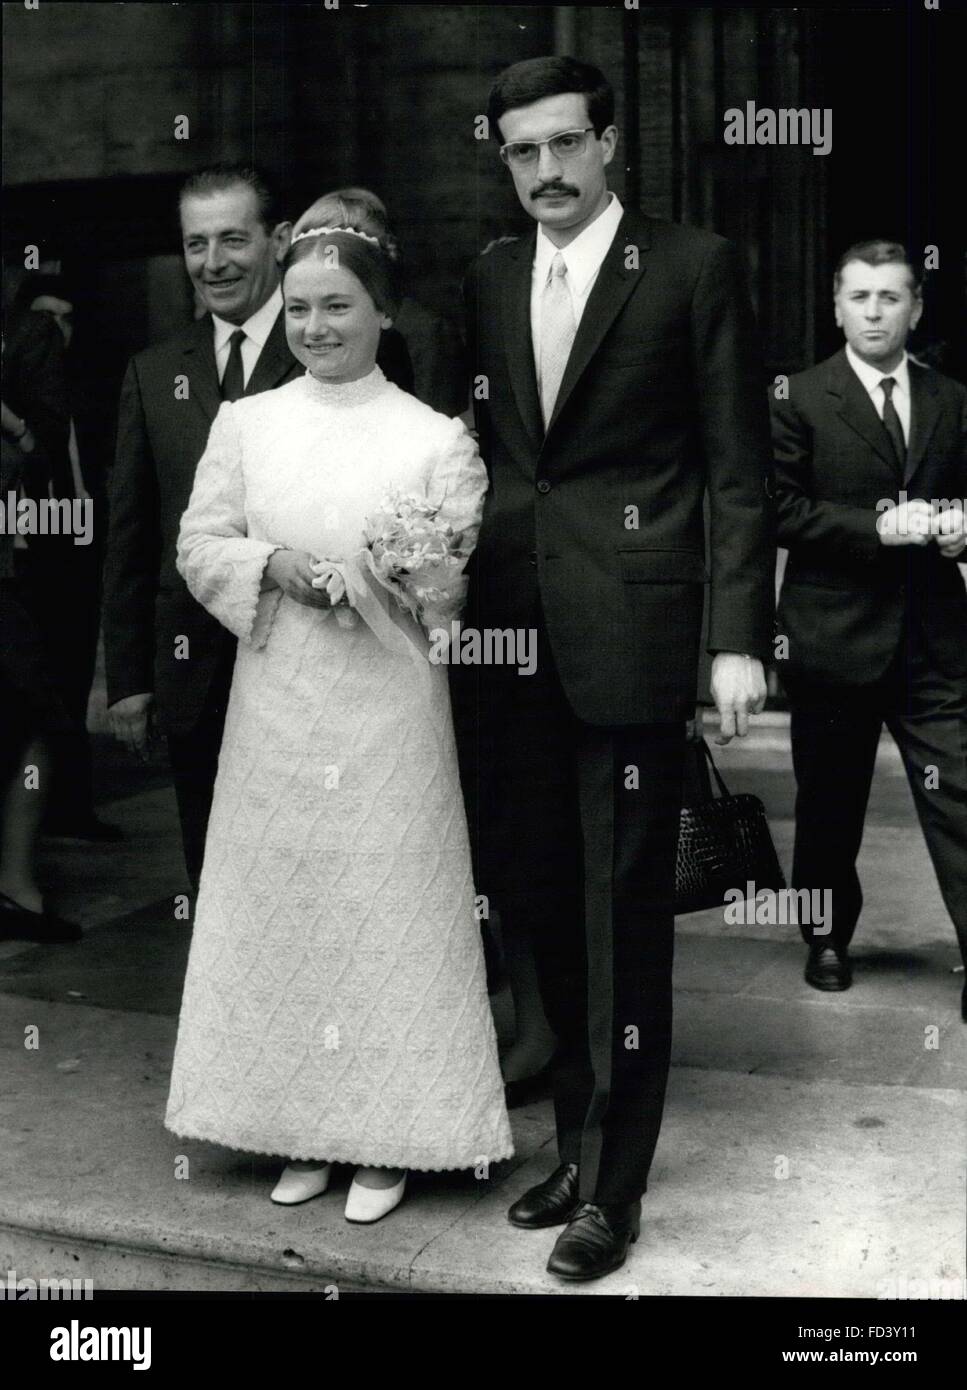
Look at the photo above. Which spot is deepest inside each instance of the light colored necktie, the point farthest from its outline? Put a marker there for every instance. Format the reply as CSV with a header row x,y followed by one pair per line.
x,y
557,334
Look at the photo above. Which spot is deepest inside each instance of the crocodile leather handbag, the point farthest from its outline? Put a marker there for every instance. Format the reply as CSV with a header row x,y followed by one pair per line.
x,y
724,843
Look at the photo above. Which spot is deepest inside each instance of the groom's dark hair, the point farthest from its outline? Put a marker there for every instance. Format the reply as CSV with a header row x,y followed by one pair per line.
x,y
534,78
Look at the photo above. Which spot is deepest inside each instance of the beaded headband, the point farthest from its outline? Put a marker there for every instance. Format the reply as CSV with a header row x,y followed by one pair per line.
x,y
324,231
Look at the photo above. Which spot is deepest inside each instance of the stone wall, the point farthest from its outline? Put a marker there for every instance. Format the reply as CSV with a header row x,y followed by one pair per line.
x,y
387,96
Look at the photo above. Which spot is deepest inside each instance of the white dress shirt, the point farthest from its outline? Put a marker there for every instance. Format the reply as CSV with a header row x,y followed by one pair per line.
x,y
870,378
583,257
256,330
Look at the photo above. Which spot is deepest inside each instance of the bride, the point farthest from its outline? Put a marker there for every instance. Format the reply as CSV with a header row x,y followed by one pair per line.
x,y
335,1005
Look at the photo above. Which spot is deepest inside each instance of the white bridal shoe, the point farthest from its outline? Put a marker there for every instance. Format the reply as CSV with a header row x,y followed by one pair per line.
x,y
366,1204
299,1184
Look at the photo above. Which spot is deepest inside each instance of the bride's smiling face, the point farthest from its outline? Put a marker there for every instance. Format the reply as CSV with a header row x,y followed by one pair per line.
x,y
331,322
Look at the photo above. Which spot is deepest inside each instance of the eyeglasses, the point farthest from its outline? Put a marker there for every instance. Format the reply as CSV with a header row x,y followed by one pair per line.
x,y
570,144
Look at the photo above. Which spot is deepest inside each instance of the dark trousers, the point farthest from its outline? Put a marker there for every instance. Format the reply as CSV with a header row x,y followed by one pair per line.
x,y
576,828
835,732
60,582
194,763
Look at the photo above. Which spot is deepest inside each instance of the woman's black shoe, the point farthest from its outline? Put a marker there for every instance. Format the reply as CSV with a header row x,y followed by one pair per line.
x,y
550,1203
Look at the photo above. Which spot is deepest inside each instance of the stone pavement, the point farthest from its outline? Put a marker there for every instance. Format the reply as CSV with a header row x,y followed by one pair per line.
x,y
812,1145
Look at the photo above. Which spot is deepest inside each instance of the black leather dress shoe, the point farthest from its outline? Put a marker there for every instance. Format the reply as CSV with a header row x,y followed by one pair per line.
x,y
550,1203
827,968
596,1241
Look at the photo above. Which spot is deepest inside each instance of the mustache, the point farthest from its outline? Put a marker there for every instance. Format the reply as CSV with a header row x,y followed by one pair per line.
x,y
554,188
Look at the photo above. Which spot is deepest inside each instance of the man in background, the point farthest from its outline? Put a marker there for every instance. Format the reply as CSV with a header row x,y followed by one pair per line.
x,y
166,657
871,475
64,576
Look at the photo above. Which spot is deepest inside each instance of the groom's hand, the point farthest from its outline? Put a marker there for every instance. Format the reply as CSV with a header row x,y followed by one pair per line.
x,y
291,571
738,689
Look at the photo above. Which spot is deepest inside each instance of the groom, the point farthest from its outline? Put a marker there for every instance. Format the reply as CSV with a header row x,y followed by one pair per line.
x,y
616,382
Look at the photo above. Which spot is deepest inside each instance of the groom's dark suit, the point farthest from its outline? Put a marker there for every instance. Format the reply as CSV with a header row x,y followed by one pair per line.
x,y
593,535
147,607
876,633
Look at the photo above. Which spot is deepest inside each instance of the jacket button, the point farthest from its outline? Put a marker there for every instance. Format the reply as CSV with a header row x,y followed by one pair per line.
x,y
543,485
532,558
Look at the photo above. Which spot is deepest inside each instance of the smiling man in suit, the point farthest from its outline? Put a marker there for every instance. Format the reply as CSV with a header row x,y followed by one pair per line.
x,y
164,653
617,384
871,474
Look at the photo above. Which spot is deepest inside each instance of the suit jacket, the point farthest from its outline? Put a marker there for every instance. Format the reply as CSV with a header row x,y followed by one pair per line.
x,y
160,439
661,403
846,598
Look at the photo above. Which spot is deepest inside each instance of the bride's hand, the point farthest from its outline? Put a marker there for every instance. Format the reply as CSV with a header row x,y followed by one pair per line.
x,y
291,571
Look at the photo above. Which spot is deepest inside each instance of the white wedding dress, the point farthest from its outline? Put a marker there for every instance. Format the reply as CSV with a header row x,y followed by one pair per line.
x,y
335,1004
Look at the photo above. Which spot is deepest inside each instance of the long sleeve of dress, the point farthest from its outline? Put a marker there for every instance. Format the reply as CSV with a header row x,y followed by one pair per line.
x,y
457,485
222,565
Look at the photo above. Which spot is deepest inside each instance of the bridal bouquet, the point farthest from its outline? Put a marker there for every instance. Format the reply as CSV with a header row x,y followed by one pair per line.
x,y
416,557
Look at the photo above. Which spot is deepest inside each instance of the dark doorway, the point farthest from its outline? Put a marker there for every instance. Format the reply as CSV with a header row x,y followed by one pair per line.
x,y
896,167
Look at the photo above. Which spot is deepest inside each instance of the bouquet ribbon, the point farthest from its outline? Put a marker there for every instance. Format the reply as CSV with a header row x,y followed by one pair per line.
x,y
395,630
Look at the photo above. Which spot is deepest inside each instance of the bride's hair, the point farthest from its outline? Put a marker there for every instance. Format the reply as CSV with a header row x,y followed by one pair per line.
x,y
352,207
376,263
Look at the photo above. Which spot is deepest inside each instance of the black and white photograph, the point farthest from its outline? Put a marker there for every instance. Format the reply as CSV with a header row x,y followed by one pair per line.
x,y
483,670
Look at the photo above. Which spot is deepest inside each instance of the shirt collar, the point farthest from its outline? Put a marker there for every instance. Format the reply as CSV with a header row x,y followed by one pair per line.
x,y
583,255
871,377
258,327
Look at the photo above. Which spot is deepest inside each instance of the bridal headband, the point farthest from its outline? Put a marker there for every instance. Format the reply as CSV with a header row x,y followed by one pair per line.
x,y
325,231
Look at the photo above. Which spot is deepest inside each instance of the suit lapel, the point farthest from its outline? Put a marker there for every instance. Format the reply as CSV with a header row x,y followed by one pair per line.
x,y
611,289
275,361
518,343
858,412
924,414
199,354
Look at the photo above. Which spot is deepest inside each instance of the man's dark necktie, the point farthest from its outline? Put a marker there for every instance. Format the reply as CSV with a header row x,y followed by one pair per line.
x,y
233,382
891,421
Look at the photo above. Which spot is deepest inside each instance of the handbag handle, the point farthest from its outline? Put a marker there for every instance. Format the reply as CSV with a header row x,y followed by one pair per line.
x,y
723,789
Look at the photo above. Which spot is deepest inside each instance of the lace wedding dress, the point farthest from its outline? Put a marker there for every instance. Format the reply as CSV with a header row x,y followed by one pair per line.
x,y
335,1004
